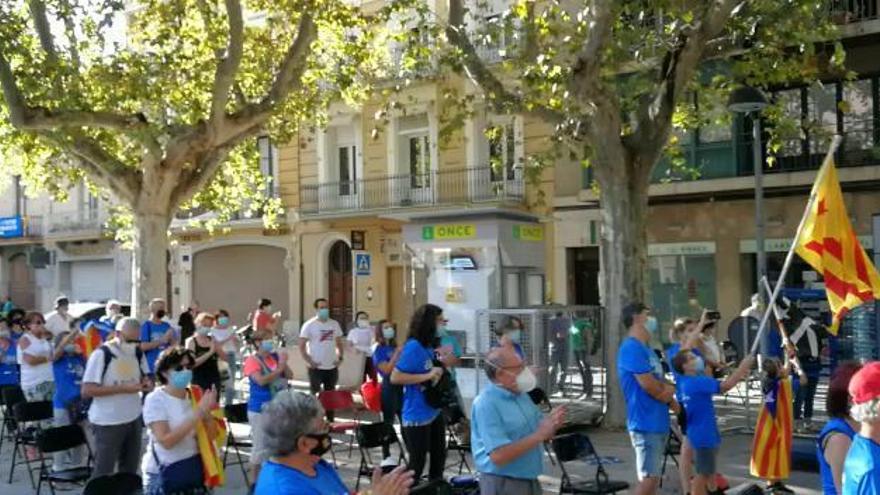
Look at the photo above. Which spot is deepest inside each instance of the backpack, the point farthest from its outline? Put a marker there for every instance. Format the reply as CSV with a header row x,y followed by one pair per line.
x,y
109,356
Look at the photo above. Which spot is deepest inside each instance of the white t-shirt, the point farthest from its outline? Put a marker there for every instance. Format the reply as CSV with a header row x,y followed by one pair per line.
x,y
31,376
321,337
224,333
162,406
114,409
56,323
362,339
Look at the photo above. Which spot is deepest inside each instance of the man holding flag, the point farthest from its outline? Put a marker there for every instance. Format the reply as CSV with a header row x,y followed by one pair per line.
x,y
826,240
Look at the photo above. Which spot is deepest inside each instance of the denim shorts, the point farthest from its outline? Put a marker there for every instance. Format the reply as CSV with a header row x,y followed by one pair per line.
x,y
704,461
649,449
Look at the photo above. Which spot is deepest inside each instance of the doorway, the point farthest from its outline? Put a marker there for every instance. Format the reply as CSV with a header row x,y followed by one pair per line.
x,y
583,275
339,283
21,282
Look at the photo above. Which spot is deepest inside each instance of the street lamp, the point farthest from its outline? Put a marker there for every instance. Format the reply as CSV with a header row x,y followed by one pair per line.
x,y
747,100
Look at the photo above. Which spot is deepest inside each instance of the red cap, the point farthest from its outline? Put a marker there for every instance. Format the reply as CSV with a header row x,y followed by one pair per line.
x,y
865,385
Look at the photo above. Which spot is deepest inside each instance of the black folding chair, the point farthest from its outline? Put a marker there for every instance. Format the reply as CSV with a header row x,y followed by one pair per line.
x,y
671,450
454,441
25,413
9,396
236,413
577,446
59,439
372,436
115,484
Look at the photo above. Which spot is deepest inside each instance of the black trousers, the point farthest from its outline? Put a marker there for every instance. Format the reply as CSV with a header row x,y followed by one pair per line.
x,y
392,397
325,379
422,441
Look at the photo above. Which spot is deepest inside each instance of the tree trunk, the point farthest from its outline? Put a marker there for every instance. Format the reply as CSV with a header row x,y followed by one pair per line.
x,y
624,202
150,264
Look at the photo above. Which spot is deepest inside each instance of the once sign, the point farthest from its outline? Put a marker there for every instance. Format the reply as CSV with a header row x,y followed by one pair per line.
x,y
449,232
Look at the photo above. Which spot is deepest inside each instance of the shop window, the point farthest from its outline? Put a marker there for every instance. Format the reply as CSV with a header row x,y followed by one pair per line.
x,y
681,286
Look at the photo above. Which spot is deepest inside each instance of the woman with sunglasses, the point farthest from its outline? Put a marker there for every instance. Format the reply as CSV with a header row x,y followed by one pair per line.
x,y
35,356
172,421
296,437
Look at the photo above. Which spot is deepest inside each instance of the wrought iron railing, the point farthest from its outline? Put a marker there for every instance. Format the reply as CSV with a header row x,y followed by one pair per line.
x,y
851,11
72,222
447,187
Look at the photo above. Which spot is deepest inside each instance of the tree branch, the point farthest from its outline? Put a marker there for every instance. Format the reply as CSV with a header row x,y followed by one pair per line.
x,y
500,97
228,66
286,81
44,30
102,167
586,77
201,174
678,67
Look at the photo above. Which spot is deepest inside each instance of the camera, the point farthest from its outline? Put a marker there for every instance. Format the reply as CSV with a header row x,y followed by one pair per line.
x,y
713,315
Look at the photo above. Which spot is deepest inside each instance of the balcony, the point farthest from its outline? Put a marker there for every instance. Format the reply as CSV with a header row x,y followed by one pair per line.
x,y
469,186
87,222
17,228
853,11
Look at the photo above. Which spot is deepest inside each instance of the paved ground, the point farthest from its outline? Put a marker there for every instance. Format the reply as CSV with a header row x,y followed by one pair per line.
x,y
613,447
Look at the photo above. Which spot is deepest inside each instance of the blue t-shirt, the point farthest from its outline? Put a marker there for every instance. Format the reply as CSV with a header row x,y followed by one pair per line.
x,y
838,425
259,394
643,413
861,470
696,396
9,374
416,359
68,373
452,342
151,332
278,479
382,354
498,418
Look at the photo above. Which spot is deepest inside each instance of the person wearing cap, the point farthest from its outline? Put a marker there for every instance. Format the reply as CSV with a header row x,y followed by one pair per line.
x,y
648,396
58,321
507,428
861,470
112,312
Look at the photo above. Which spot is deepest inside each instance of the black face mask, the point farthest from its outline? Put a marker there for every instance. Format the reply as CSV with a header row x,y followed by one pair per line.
x,y
324,443
160,314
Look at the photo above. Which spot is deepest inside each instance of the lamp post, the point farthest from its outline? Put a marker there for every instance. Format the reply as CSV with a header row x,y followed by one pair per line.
x,y
746,100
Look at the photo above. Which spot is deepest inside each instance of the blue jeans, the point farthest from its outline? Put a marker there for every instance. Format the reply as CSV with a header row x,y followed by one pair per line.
x,y
649,449
152,484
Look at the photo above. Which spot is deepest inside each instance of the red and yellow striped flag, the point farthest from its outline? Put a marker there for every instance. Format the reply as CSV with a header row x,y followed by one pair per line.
x,y
89,340
209,448
771,447
829,244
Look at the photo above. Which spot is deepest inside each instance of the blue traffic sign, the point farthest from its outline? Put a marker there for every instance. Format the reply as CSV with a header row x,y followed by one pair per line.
x,y
362,262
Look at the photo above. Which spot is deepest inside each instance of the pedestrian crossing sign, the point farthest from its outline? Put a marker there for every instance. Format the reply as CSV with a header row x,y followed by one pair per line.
x,y
362,264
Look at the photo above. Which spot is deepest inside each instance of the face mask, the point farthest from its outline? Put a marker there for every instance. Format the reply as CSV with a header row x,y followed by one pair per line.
x,y
181,379
267,346
323,314
160,313
323,443
363,323
388,333
515,336
699,365
112,312
526,381
442,330
223,321
70,349
652,325
203,331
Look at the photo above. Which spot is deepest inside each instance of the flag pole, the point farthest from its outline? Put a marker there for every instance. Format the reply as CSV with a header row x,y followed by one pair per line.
x,y
789,257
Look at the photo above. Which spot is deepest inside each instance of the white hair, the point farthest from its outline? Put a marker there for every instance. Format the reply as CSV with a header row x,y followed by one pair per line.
x,y
289,416
127,322
866,412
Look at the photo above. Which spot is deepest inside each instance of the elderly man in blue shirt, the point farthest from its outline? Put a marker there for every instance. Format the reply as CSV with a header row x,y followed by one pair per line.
x,y
507,429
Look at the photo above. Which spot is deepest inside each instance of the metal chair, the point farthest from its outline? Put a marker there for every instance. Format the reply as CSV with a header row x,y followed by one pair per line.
x,y
671,450
59,439
372,436
127,483
26,436
454,442
9,396
577,446
236,413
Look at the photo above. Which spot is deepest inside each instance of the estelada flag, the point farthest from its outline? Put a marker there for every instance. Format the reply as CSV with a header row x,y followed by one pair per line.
x,y
771,447
209,448
829,244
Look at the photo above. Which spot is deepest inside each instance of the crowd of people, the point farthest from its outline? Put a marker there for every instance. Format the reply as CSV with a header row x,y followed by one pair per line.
x,y
117,376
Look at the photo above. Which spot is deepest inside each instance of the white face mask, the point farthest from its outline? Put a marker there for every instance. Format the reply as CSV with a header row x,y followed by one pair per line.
x,y
526,381
363,323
